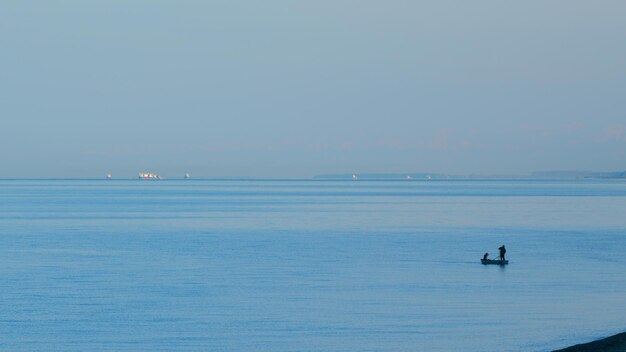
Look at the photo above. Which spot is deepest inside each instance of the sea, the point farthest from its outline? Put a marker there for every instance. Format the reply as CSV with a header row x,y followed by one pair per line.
x,y
310,265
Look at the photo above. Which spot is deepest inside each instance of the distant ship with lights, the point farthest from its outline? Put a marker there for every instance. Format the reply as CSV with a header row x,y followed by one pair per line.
x,y
149,176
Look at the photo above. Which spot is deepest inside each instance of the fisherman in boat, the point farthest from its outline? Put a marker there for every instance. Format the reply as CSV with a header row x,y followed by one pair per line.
x,y
485,256
502,252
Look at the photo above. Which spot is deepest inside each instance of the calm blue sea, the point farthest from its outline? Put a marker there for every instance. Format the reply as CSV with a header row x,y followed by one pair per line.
x,y
287,265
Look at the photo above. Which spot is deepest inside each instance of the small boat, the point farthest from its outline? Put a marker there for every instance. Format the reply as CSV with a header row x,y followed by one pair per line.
x,y
149,176
494,261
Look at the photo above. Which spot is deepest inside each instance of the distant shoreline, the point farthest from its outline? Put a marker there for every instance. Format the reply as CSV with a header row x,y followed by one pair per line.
x,y
324,178
615,343
548,175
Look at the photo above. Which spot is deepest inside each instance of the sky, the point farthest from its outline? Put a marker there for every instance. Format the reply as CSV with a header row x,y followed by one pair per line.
x,y
299,88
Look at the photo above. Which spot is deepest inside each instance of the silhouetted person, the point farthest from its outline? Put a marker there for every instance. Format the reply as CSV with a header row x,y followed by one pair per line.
x,y
502,252
485,256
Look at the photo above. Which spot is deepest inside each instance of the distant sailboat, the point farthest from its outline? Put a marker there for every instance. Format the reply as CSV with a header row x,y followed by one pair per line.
x,y
354,177
187,175
109,176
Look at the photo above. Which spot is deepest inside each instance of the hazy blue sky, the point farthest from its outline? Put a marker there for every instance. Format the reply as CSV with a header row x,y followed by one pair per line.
x,y
297,88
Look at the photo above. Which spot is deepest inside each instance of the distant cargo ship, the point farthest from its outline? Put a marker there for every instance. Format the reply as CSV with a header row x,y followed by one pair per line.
x,y
148,176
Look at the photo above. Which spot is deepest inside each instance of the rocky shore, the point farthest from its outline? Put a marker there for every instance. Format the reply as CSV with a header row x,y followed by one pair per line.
x,y
615,343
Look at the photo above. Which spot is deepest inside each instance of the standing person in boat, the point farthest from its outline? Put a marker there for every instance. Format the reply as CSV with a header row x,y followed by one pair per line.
x,y
485,256
502,252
